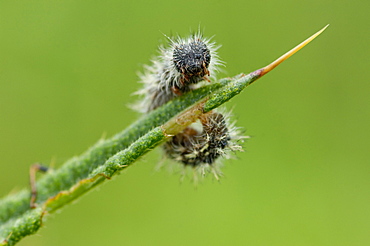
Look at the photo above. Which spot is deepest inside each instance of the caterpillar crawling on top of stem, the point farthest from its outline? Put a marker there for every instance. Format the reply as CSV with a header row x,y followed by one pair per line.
x,y
182,66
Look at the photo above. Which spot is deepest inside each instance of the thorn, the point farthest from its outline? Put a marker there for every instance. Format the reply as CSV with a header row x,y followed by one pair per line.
x,y
6,240
104,175
32,175
282,58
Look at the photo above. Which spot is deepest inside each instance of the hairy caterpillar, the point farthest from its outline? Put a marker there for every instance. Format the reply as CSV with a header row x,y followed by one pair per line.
x,y
180,68
177,70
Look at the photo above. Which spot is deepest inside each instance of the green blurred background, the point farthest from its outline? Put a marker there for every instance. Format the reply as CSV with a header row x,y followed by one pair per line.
x,y
67,72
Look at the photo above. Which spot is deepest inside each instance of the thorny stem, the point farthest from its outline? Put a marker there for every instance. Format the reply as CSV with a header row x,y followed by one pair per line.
x,y
282,58
110,156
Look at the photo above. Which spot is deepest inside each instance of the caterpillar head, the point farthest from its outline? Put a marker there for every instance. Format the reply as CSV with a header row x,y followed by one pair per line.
x,y
192,59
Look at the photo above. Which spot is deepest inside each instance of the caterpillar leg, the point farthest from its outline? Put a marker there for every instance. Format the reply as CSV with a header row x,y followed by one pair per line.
x,y
33,169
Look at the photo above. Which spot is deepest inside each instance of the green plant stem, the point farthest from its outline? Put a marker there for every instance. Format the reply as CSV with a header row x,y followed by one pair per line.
x,y
107,157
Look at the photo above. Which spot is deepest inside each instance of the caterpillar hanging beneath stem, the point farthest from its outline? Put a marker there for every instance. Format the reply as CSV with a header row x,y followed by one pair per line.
x,y
181,67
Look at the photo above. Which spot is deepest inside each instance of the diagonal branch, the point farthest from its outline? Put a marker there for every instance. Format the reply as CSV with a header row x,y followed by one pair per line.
x,y
108,157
